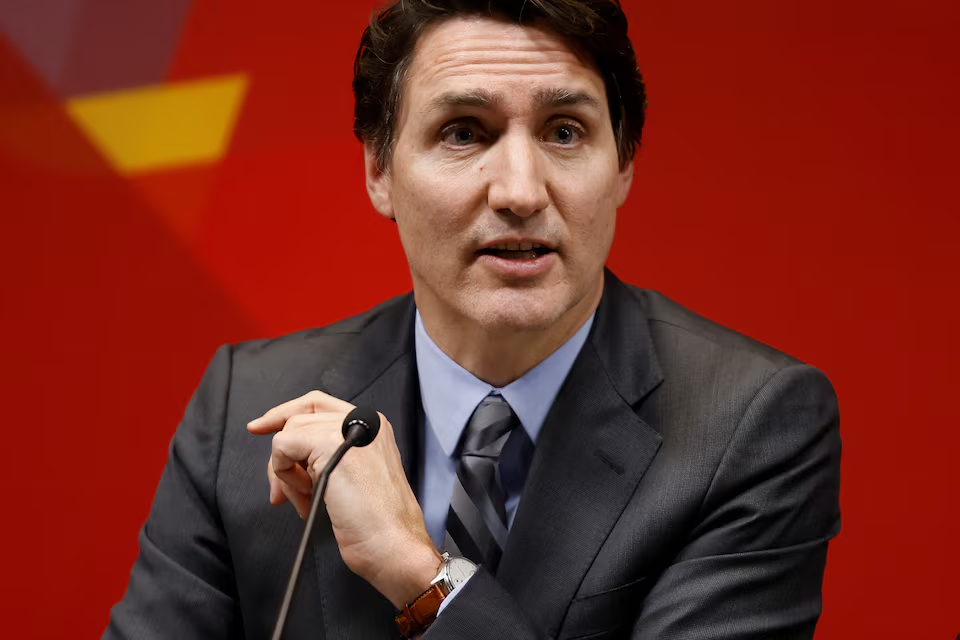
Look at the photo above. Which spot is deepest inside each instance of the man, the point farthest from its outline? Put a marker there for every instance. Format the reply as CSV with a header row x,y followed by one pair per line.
x,y
615,465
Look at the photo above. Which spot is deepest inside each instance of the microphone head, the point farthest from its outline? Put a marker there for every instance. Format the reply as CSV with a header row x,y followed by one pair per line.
x,y
363,423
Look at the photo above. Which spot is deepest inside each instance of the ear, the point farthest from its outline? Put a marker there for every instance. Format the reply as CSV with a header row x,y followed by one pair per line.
x,y
378,184
624,180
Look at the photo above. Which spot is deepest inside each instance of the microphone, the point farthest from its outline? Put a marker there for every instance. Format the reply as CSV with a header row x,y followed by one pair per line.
x,y
361,426
359,429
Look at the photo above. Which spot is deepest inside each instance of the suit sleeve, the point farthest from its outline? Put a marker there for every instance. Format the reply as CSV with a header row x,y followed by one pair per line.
x,y
752,566
182,584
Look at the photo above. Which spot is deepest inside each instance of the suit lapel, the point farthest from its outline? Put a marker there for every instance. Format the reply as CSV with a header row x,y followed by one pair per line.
x,y
589,458
379,371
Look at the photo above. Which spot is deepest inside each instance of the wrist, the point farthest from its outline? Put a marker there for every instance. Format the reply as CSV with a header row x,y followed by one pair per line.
x,y
420,613
414,569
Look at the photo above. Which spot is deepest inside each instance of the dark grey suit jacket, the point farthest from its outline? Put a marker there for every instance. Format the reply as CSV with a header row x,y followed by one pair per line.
x,y
685,485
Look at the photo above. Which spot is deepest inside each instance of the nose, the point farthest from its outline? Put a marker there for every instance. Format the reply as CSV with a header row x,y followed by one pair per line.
x,y
517,183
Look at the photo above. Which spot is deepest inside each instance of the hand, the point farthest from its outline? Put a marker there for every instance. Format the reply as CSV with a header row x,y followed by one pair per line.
x,y
375,516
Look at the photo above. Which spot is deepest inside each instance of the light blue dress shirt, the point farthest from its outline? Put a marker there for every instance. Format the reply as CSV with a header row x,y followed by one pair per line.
x,y
450,394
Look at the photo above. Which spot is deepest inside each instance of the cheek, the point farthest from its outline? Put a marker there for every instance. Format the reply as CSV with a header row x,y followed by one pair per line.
x,y
433,213
589,220
438,203
594,236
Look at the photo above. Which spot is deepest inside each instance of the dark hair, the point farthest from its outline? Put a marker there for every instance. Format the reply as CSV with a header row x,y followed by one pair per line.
x,y
596,27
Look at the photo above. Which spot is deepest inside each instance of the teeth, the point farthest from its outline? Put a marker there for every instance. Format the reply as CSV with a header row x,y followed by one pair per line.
x,y
516,246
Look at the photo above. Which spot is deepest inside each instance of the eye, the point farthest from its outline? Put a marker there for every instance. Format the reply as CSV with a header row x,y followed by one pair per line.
x,y
461,134
564,134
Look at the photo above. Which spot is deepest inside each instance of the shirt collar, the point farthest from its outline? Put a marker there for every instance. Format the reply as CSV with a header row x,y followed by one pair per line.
x,y
450,393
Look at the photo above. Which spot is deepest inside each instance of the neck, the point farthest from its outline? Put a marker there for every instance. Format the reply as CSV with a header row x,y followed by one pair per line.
x,y
498,356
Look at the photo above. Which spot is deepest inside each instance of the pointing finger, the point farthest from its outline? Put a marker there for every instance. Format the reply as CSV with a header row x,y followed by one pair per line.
x,y
313,402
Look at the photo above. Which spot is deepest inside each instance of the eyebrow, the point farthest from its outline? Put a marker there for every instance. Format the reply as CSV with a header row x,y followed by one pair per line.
x,y
474,98
547,98
544,98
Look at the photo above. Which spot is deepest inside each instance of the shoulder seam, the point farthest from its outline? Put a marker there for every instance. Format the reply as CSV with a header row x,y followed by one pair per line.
x,y
732,346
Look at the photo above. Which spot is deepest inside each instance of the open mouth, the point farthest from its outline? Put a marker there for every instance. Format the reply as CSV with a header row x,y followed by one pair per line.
x,y
517,251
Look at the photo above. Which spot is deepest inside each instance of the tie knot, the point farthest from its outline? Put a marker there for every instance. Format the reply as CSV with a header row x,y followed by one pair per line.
x,y
491,422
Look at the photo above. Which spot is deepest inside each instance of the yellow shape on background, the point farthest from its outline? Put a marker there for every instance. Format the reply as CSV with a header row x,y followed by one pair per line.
x,y
159,127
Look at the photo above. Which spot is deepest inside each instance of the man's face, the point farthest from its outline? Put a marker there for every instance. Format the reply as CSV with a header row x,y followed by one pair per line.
x,y
504,179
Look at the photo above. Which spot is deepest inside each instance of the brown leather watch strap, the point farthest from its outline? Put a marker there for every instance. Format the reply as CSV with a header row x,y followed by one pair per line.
x,y
417,616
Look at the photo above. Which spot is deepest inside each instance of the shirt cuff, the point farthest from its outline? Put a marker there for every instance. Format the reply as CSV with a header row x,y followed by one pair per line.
x,y
451,596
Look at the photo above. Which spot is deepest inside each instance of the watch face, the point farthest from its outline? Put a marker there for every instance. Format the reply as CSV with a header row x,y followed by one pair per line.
x,y
459,569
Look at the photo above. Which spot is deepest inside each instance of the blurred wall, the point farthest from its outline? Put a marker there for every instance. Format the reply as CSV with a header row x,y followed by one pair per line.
x,y
178,174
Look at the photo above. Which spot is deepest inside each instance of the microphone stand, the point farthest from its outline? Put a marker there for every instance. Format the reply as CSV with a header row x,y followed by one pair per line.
x,y
354,435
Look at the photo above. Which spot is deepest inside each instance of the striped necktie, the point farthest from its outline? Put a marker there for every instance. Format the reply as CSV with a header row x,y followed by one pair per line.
x,y
477,520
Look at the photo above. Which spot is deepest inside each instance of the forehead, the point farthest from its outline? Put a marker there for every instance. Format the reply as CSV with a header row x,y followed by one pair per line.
x,y
483,54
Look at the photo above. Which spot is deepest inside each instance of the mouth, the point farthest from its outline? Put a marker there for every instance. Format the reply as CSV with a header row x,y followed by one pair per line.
x,y
517,250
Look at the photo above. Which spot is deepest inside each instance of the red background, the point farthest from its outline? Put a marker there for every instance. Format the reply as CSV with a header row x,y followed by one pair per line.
x,y
797,182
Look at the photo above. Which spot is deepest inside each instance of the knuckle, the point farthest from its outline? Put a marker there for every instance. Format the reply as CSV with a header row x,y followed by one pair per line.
x,y
298,421
301,421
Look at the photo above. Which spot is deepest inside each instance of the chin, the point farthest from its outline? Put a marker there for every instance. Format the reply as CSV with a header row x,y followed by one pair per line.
x,y
514,310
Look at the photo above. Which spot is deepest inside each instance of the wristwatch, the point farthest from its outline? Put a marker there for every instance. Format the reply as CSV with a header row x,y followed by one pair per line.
x,y
417,616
